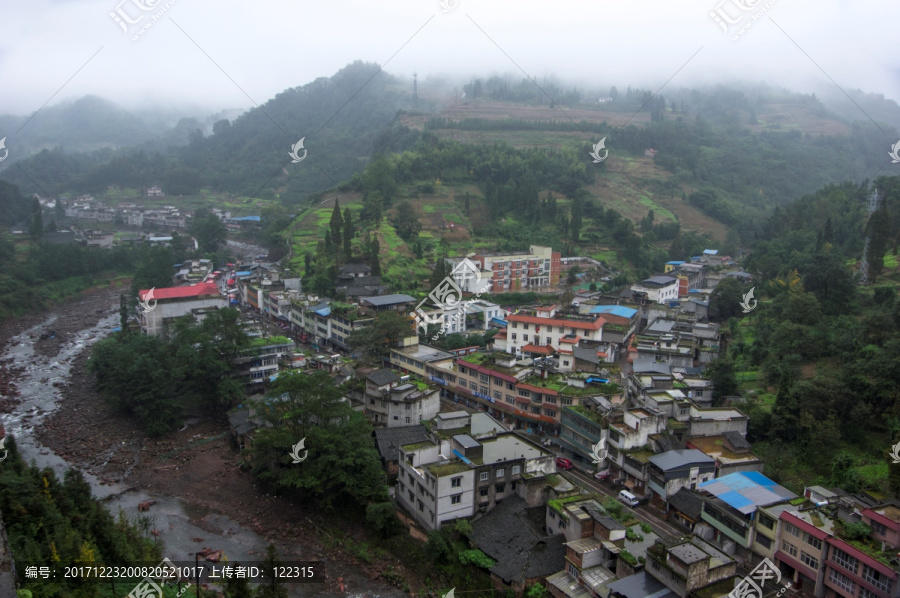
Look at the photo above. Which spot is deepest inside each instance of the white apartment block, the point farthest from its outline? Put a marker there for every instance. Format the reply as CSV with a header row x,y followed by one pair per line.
x,y
543,327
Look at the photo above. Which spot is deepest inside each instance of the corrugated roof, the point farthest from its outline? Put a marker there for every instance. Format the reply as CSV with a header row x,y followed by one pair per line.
x,y
616,310
679,458
197,290
747,490
382,300
389,440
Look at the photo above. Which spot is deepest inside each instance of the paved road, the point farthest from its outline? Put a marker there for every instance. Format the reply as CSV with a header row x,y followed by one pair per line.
x,y
643,512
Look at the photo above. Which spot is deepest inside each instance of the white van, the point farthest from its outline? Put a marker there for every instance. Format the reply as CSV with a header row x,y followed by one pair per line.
x,y
628,498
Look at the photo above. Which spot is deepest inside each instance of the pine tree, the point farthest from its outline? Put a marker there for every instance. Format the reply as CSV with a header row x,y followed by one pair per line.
x,y
349,233
36,226
336,224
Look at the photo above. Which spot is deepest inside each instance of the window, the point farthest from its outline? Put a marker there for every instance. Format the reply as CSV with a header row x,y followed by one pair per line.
x,y
566,401
412,497
792,530
809,561
867,593
407,420
510,399
484,390
456,482
397,418
510,386
525,337
877,579
525,327
516,469
407,406
842,558
813,541
549,399
456,499
549,342
501,472
485,378
524,393
500,488
549,413
549,328
764,541
536,410
614,436
483,491
565,362
766,521
483,476
498,382
562,523
513,336
463,370
513,485
498,395
841,581
552,514
371,401
421,506
789,548
878,528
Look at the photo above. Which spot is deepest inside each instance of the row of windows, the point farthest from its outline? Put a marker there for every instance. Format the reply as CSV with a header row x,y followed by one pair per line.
x,y
499,473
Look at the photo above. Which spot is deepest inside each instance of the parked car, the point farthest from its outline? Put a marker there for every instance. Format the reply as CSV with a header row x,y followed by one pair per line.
x,y
628,498
563,463
601,475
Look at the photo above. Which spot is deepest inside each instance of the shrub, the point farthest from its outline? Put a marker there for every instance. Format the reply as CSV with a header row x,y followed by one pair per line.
x,y
646,528
477,558
857,531
381,518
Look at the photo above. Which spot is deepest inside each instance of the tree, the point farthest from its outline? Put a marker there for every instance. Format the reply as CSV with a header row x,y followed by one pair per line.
x,y
36,223
378,177
385,332
406,222
348,234
726,298
381,518
721,373
341,467
336,224
155,270
209,231
878,231
270,589
372,208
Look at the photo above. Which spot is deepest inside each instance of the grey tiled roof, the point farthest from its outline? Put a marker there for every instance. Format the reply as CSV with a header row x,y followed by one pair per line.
x,y
736,440
509,535
389,440
687,502
383,376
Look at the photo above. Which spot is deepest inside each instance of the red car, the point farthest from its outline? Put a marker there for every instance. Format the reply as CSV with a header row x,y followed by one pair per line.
x,y
563,463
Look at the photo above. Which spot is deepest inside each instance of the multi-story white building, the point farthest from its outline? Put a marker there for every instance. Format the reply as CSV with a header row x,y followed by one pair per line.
x,y
170,303
499,273
441,480
394,401
543,326
659,289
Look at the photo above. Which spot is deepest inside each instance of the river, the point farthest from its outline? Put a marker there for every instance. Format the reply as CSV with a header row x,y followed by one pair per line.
x,y
181,522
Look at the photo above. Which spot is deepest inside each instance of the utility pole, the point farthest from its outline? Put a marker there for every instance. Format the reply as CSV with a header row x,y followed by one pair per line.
x,y
415,91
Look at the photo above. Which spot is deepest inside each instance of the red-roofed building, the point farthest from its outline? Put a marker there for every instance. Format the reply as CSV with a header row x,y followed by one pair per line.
x,y
546,327
159,307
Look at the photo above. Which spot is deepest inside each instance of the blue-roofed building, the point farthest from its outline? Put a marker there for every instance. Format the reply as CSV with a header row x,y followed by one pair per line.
x,y
673,265
616,310
242,222
676,469
730,504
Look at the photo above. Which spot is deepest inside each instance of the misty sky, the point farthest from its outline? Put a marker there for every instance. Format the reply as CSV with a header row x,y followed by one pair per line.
x,y
266,46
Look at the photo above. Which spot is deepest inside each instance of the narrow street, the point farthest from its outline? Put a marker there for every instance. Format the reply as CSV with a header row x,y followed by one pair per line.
x,y
642,512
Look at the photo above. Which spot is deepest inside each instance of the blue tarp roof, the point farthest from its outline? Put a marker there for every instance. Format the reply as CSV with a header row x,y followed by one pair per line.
x,y
324,312
675,263
499,321
244,273
616,310
747,490
248,218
